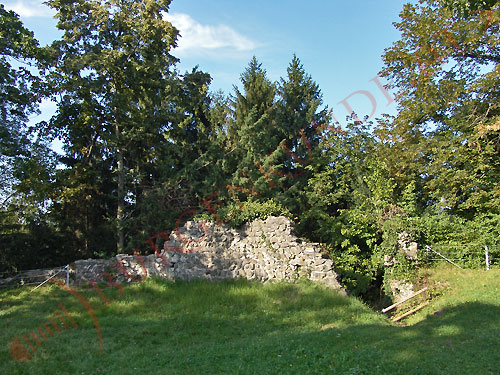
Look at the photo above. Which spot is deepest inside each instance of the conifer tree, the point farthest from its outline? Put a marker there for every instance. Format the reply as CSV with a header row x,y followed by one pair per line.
x,y
300,120
252,133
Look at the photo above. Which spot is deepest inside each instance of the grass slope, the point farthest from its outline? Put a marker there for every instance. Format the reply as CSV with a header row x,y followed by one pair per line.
x,y
239,327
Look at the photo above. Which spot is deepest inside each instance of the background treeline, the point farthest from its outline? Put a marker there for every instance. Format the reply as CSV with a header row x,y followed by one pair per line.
x,y
146,148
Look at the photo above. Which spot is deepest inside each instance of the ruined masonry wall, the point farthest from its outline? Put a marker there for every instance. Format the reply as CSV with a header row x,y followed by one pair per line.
x,y
262,250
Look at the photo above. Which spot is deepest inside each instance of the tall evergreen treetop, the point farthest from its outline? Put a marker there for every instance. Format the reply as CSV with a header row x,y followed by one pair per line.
x,y
258,92
251,133
299,115
300,99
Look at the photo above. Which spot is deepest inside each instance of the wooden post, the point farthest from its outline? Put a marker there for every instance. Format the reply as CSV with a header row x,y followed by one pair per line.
x,y
487,257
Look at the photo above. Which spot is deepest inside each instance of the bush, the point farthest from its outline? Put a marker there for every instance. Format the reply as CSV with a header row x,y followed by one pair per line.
x,y
235,215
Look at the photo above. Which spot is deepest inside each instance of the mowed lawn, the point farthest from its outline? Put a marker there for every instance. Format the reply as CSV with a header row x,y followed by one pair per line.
x,y
241,327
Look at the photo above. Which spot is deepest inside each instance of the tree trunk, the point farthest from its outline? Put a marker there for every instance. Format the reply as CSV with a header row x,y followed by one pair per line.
x,y
121,194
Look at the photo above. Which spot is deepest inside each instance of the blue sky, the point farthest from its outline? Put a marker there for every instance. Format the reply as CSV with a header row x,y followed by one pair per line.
x,y
338,42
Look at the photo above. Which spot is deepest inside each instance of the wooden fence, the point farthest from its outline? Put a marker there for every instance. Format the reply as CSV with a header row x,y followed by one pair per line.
x,y
33,277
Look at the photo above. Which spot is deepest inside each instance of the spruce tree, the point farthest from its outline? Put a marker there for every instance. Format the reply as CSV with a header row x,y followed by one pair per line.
x,y
252,133
300,120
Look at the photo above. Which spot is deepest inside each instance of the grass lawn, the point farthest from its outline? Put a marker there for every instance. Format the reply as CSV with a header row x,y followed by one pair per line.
x,y
239,327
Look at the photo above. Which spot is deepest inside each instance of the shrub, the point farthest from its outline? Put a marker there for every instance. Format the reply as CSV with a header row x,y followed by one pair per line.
x,y
235,215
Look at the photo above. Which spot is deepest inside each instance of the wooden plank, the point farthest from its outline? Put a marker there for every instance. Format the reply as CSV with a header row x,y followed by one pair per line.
x,y
411,311
403,301
487,257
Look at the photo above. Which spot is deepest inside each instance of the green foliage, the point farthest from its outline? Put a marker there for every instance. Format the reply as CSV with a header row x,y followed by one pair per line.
x,y
36,243
446,133
18,85
19,97
238,214
251,132
28,238
353,197
460,239
145,147
204,216
300,116
444,141
113,71
468,7
137,135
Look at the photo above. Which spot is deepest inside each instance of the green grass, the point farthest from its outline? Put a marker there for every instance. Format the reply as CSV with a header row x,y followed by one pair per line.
x,y
239,327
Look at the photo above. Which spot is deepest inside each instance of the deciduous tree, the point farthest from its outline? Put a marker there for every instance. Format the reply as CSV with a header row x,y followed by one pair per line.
x,y
113,72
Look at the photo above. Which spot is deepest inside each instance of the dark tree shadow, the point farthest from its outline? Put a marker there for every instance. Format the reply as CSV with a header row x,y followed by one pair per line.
x,y
238,327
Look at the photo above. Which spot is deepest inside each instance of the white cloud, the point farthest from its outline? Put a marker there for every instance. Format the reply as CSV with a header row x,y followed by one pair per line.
x,y
30,8
196,37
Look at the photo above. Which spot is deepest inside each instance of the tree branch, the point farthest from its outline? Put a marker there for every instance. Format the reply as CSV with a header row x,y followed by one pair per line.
x,y
478,56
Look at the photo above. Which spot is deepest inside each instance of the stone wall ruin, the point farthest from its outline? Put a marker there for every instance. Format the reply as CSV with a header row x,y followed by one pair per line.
x,y
262,250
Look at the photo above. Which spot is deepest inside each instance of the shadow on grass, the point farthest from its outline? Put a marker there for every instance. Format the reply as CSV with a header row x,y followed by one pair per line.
x,y
246,328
